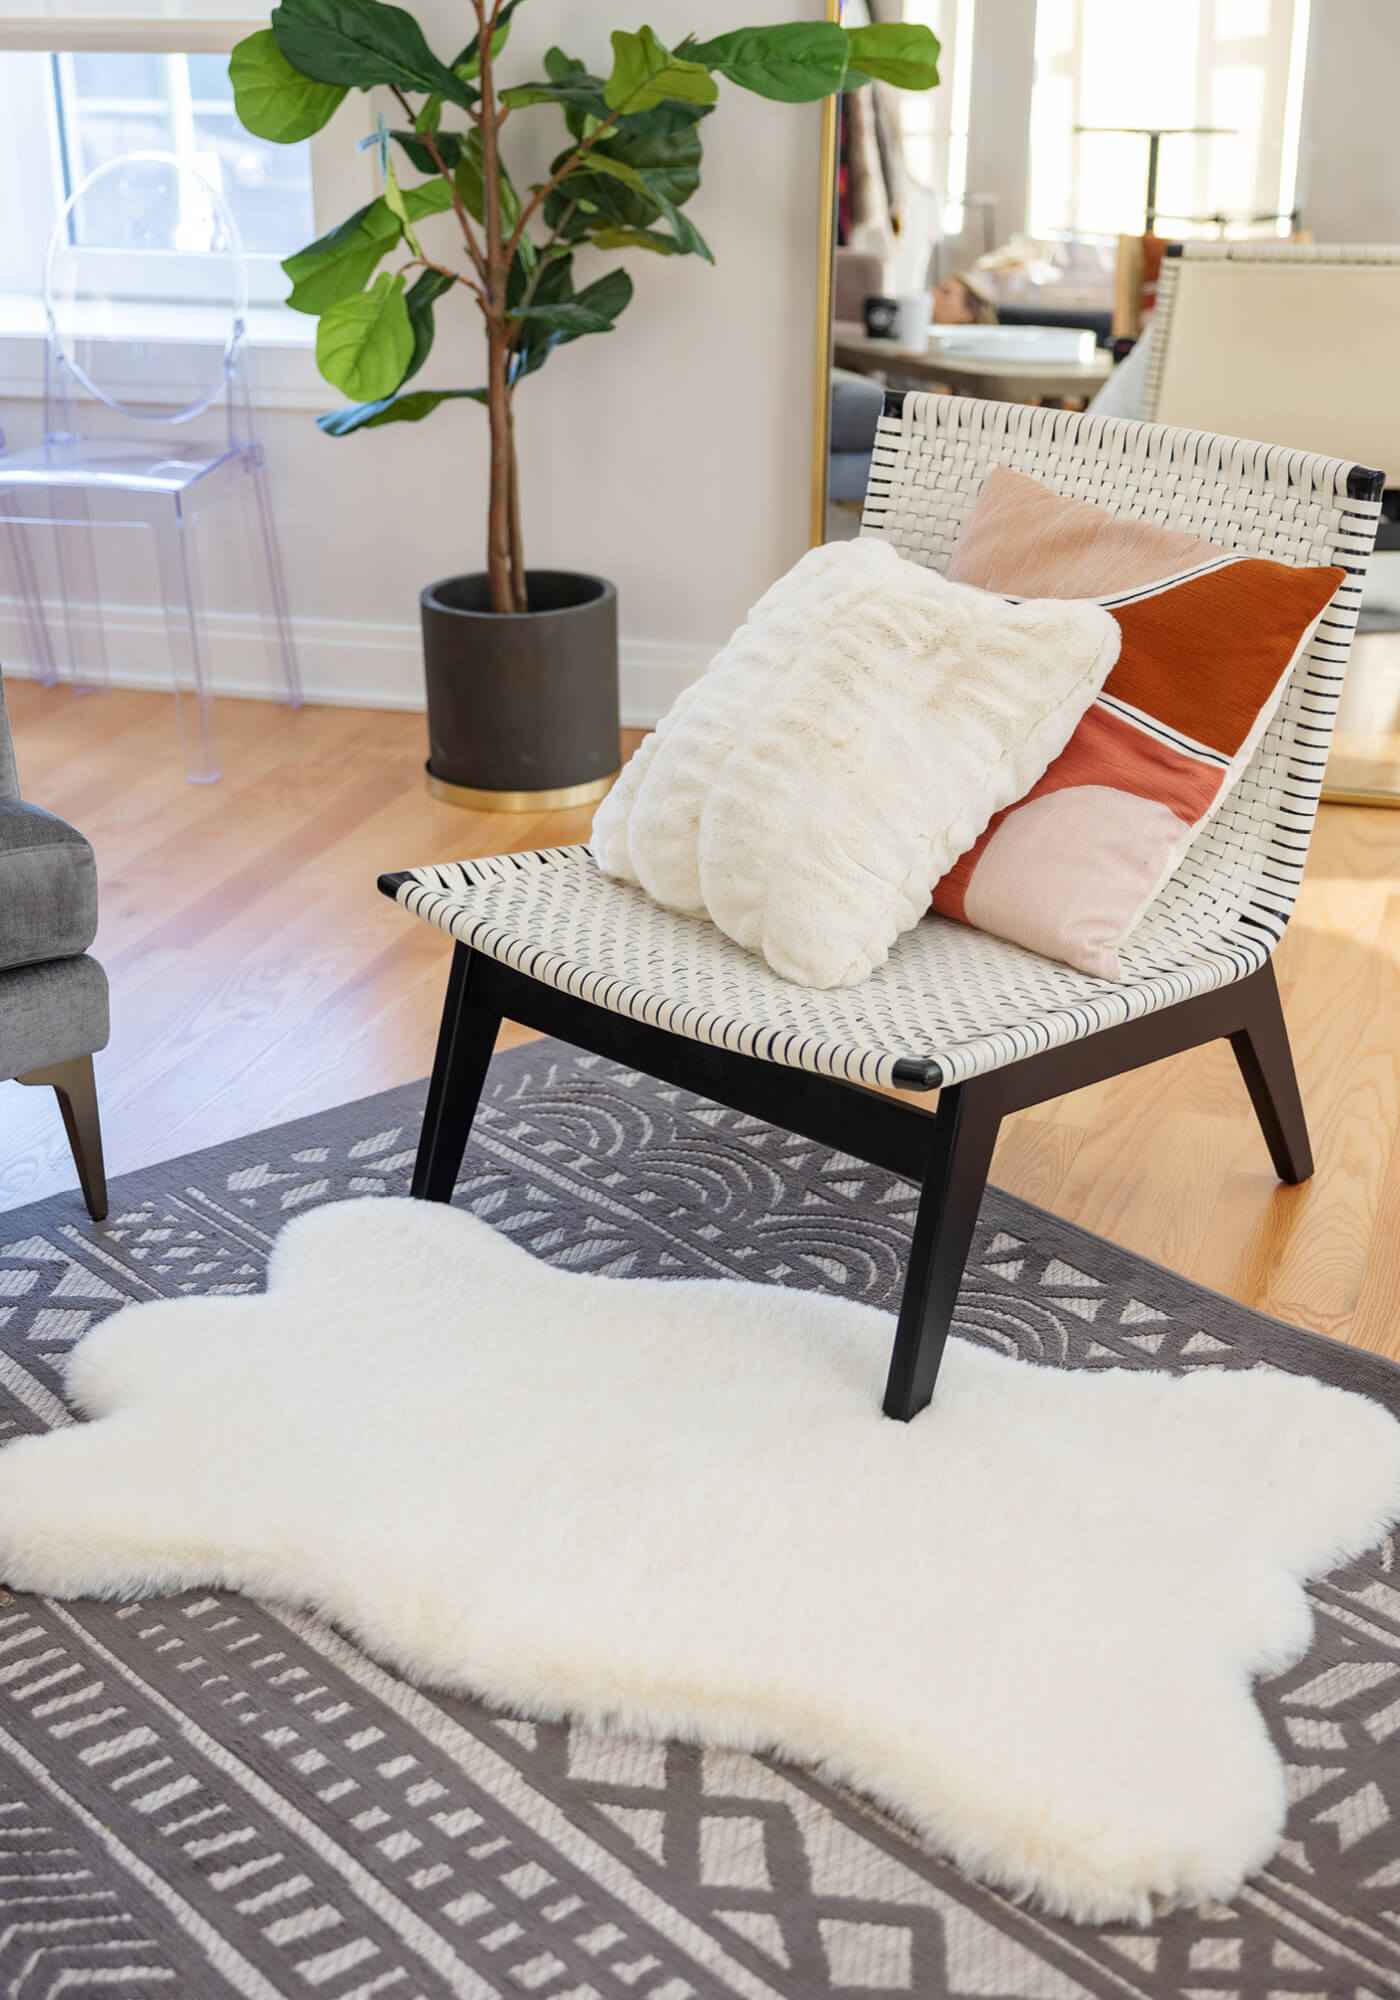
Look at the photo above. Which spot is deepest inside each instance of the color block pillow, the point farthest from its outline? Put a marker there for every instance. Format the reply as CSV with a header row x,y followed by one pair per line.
x,y
1209,639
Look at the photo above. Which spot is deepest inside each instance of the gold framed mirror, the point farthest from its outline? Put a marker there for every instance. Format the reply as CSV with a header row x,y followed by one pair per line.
x,y
1057,129
826,268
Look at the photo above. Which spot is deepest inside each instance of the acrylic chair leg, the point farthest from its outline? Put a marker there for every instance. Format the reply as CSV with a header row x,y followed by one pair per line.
x,y
20,560
75,1087
77,586
189,663
274,581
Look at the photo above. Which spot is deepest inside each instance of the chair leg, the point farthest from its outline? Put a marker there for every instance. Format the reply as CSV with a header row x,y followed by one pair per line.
x,y
76,1090
76,563
465,1041
274,583
965,1133
36,624
176,559
1266,1064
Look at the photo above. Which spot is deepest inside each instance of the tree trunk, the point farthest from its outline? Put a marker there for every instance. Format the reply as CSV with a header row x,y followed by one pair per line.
x,y
500,557
518,586
499,567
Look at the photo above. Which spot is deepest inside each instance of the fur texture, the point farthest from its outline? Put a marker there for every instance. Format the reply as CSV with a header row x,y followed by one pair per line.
x,y
1027,1621
851,741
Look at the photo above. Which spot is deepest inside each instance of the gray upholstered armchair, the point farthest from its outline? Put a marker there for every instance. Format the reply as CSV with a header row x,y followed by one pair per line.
x,y
53,997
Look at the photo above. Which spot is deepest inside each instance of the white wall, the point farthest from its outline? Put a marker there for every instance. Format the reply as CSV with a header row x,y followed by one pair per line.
x,y
672,455
1349,155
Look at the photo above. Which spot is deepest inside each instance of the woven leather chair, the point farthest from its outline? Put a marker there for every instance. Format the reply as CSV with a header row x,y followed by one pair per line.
x,y
53,997
545,940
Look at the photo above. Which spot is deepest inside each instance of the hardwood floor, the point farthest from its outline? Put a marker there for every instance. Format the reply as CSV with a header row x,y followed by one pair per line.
x,y
258,975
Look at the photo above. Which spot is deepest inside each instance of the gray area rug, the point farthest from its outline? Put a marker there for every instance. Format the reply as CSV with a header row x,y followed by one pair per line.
x,y
205,1796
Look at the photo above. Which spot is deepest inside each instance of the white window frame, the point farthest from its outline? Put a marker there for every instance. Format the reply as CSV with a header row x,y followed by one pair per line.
x,y
1277,55
281,364
148,277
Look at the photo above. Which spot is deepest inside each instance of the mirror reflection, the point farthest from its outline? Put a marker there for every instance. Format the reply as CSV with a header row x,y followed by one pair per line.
x,y
1188,213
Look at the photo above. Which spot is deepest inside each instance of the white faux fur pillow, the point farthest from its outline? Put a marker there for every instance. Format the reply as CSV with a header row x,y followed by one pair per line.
x,y
647,830
848,744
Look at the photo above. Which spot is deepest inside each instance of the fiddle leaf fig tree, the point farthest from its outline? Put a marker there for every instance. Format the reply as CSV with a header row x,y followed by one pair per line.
x,y
621,182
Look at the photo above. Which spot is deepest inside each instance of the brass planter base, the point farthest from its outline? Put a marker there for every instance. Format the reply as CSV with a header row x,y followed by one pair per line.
x,y
555,800
1342,795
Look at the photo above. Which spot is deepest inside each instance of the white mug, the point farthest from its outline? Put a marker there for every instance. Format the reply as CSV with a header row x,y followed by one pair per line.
x,y
914,310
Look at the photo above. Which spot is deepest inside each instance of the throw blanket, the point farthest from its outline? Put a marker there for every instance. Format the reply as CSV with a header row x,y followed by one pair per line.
x,y
848,744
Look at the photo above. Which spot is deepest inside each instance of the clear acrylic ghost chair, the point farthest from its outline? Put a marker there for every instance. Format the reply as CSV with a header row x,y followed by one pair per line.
x,y
143,227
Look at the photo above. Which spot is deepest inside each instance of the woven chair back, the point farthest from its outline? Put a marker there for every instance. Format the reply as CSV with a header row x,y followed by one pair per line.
x,y
1239,880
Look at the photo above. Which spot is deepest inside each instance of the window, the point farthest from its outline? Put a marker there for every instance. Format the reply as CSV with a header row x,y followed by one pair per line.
x,y
933,124
182,104
1232,64
74,110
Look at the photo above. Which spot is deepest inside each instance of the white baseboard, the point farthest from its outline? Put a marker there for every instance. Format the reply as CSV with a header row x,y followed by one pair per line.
x,y
344,663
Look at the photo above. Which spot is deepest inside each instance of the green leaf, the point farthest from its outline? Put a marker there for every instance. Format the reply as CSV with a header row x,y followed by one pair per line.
x,y
794,61
364,344
635,239
645,73
469,175
362,42
532,342
672,116
427,198
558,66
586,106
669,159
429,114
582,94
419,300
273,100
651,187
395,203
896,52
408,409
599,162
689,241
520,278
449,144
341,262
568,317
592,310
468,63
607,296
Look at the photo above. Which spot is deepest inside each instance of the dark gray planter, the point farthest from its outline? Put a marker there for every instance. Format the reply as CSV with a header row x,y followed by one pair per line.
x,y
522,707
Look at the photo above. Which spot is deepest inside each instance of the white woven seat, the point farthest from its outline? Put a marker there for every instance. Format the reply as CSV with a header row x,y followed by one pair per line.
x,y
952,1002
545,939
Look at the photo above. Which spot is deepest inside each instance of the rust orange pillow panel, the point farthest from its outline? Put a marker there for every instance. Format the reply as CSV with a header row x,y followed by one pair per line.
x,y
1072,867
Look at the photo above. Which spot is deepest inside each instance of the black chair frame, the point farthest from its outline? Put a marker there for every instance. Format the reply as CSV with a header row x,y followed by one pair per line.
x,y
946,1153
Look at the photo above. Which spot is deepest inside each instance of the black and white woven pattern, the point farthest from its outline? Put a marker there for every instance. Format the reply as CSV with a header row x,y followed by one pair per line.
x,y
950,997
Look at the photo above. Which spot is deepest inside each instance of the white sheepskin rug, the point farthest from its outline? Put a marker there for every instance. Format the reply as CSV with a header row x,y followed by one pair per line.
x,y
1027,1622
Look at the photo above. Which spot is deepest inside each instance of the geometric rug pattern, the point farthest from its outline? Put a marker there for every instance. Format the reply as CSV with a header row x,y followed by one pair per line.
x,y
201,1796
